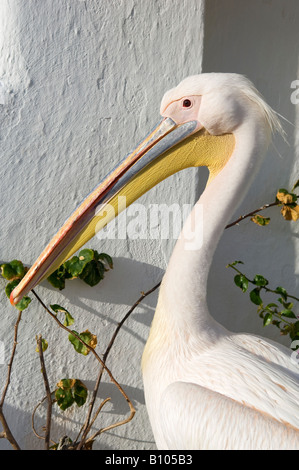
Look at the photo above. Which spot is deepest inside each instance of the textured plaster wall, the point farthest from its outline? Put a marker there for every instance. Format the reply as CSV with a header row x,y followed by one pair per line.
x,y
81,85
259,39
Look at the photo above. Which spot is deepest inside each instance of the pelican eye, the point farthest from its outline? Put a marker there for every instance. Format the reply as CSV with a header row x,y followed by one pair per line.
x,y
187,103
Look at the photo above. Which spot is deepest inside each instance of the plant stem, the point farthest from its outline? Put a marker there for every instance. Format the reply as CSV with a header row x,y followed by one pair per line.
x,y
87,427
267,289
250,214
7,431
113,380
48,392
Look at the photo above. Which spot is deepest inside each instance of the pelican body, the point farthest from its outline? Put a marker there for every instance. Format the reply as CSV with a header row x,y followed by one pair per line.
x,y
205,387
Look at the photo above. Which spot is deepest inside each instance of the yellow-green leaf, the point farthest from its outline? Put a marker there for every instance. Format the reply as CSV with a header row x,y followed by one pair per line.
x,y
44,346
290,213
69,320
70,391
260,220
87,337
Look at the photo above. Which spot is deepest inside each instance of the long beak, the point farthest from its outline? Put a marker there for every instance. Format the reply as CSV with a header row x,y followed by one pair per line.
x,y
127,179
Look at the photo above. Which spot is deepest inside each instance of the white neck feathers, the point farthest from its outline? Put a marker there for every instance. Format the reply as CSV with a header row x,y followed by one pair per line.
x,y
185,282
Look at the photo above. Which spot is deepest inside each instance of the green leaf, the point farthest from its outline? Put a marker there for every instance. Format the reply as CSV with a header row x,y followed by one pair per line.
x,y
24,302
57,278
70,391
260,220
267,319
13,270
18,267
282,292
107,259
285,330
87,337
69,320
241,281
283,190
276,323
270,306
89,265
296,185
260,280
80,393
10,287
255,296
86,255
294,333
285,196
288,305
44,346
234,263
64,398
7,271
288,313
294,196
76,264
93,273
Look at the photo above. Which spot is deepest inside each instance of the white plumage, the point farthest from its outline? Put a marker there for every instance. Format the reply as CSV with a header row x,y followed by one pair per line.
x,y
207,388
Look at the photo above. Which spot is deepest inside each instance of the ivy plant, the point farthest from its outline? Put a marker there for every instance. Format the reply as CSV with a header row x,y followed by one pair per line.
x,y
89,266
280,313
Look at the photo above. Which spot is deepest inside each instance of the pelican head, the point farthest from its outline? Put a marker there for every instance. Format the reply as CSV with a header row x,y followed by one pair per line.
x,y
200,119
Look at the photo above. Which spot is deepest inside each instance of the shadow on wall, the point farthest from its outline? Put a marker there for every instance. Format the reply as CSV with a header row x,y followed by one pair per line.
x,y
258,39
116,289
122,286
115,410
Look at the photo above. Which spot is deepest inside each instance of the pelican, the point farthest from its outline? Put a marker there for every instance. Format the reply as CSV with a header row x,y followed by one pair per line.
x,y
205,387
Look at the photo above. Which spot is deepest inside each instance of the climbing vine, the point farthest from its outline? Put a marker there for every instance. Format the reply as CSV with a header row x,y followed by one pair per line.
x,y
283,312
280,313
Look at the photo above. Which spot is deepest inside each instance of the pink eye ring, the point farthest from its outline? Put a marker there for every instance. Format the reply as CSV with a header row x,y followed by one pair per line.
x,y
187,103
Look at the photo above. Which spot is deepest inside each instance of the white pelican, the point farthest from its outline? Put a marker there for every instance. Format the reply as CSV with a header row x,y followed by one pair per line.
x,y
205,387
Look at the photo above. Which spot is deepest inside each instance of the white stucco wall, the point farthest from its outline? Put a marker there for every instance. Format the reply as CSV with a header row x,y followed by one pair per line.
x,y
259,39
82,84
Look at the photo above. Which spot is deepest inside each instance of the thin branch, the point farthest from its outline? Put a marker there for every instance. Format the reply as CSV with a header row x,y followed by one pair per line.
x,y
111,426
7,432
33,416
4,423
98,412
120,324
113,380
267,289
87,427
250,214
92,423
11,359
48,392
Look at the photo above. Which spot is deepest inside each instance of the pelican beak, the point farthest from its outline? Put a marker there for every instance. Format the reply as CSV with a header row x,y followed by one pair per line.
x,y
90,216
168,149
